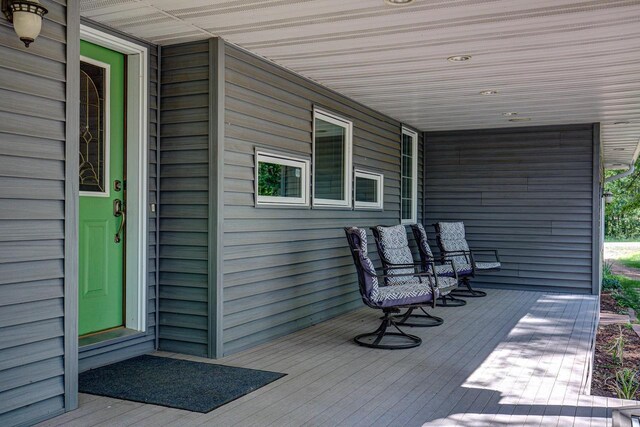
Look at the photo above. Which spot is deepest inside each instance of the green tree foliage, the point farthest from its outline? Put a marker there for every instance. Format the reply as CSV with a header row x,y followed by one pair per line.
x,y
269,179
622,216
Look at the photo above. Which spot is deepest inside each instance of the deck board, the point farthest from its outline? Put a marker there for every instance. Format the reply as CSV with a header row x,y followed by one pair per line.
x,y
513,358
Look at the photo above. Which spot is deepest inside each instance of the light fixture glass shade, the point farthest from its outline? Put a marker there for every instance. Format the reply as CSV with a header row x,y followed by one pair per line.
x,y
27,19
608,197
27,26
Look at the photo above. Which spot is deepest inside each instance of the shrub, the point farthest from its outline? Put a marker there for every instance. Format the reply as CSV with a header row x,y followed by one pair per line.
x,y
617,348
611,283
627,383
606,269
628,296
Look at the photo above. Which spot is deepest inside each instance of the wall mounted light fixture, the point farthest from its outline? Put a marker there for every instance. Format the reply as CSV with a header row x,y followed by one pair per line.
x,y
26,17
608,197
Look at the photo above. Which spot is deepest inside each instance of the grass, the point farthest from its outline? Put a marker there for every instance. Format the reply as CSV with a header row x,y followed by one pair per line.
x,y
624,290
632,261
621,240
629,294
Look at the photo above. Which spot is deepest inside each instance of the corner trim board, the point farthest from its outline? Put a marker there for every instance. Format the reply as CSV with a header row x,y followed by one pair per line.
x,y
71,194
158,139
596,208
216,195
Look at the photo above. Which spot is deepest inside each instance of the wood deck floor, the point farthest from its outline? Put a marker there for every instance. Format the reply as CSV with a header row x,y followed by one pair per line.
x,y
512,358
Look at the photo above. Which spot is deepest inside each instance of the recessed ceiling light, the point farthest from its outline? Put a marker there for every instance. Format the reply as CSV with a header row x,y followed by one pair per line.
x,y
520,119
624,122
489,92
459,58
398,2
510,113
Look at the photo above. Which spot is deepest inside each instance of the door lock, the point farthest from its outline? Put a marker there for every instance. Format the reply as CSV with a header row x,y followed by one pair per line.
x,y
118,211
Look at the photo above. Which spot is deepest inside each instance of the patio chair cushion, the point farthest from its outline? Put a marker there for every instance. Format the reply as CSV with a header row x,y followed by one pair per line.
x,y
371,288
394,247
447,270
372,293
423,240
444,270
427,255
404,294
446,285
452,239
488,265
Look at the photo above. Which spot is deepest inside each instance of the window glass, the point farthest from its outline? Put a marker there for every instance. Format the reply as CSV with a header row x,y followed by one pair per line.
x,y
281,179
93,82
332,161
368,190
409,166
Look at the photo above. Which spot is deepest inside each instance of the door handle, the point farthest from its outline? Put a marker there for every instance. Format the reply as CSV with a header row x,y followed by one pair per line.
x,y
118,211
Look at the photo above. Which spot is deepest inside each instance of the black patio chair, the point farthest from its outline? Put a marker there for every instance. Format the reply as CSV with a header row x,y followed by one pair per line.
x,y
394,251
453,245
443,267
389,299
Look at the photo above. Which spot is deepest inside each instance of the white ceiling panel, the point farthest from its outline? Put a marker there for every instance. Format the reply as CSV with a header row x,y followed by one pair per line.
x,y
553,61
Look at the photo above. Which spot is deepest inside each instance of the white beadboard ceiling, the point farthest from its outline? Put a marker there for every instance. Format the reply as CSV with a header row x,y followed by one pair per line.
x,y
553,61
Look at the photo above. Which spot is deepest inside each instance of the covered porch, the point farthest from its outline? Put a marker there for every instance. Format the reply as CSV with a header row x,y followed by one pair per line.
x,y
240,137
513,358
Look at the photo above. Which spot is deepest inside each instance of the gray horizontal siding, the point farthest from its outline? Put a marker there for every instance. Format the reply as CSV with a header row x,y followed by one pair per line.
x,y
32,215
184,175
122,349
285,269
526,192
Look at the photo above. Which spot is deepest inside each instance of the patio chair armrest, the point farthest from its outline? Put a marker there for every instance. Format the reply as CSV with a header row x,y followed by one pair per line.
x,y
453,267
398,266
432,278
493,251
417,267
442,260
448,253
420,274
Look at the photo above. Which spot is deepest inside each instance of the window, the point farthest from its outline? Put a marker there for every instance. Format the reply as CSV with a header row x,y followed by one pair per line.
x,y
408,175
94,128
368,192
281,180
331,160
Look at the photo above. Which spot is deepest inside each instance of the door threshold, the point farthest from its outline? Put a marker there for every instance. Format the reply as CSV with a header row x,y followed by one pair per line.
x,y
104,338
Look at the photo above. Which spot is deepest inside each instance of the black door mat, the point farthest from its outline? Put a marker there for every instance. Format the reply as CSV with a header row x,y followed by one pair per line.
x,y
175,383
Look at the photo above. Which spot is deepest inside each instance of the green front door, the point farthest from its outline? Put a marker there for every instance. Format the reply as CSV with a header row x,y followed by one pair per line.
x,y
101,182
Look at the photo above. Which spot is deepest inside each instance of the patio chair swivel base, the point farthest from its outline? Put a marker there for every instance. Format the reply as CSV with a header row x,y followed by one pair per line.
x,y
469,292
418,320
450,301
395,340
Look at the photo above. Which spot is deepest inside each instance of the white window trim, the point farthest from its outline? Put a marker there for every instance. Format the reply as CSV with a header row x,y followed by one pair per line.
x,y
379,179
414,166
304,164
107,129
137,57
348,177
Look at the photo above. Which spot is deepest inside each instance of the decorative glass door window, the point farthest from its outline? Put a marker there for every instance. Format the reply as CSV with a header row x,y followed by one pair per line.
x,y
368,192
408,175
331,160
281,180
94,128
